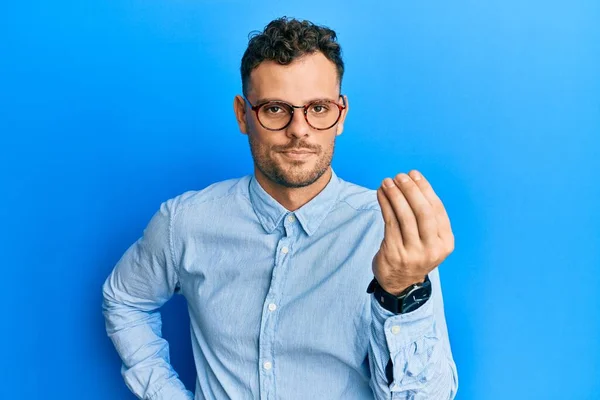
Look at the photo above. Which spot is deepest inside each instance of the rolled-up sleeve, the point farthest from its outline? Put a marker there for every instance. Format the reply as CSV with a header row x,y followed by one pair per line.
x,y
143,280
409,354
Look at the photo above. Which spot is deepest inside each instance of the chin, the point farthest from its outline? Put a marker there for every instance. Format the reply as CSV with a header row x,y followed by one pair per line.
x,y
299,176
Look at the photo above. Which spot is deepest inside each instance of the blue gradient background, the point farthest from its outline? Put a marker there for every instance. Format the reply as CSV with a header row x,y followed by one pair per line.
x,y
109,108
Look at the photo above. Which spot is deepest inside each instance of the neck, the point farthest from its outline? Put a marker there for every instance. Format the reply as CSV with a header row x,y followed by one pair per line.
x,y
292,198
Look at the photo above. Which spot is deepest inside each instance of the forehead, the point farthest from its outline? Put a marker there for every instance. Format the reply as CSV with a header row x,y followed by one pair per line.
x,y
308,77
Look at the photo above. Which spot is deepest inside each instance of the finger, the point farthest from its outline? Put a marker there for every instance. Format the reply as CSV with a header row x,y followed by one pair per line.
x,y
422,210
392,228
443,221
405,216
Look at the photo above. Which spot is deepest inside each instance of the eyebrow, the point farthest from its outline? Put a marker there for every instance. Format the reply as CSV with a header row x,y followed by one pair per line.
x,y
269,99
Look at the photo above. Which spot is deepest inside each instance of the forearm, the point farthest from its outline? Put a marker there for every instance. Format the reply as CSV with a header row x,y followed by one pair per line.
x,y
146,366
410,354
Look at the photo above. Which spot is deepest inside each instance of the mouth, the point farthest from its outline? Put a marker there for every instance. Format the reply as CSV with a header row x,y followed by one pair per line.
x,y
297,155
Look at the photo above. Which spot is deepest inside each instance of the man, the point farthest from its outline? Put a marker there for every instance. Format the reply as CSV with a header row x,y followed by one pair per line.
x,y
300,285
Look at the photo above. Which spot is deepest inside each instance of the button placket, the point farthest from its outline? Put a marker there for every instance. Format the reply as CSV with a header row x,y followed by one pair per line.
x,y
268,322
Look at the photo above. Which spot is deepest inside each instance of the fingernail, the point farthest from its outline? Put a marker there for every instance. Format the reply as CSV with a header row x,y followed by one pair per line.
x,y
387,182
404,178
415,175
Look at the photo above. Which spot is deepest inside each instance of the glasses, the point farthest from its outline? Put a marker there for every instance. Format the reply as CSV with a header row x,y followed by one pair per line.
x,y
277,115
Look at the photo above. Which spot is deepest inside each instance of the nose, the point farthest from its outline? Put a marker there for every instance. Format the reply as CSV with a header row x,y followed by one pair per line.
x,y
298,126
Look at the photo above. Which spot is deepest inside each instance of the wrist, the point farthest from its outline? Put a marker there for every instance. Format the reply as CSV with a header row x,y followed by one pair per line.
x,y
396,288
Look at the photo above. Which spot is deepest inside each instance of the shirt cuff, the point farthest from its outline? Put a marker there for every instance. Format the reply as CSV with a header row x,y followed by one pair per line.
x,y
402,329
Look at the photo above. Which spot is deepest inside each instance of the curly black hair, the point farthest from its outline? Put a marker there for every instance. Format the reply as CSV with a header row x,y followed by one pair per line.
x,y
286,39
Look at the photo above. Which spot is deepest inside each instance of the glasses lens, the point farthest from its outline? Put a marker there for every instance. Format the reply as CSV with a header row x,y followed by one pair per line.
x,y
322,114
274,115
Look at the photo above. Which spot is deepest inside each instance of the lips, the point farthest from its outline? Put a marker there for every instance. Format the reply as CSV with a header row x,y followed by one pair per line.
x,y
297,155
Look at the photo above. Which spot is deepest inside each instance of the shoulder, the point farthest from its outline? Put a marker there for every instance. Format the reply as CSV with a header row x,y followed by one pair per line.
x,y
215,192
358,198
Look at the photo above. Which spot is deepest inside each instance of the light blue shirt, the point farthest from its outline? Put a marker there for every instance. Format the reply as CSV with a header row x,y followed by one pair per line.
x,y
277,301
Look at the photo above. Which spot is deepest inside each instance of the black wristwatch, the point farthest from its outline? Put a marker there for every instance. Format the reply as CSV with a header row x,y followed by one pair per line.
x,y
409,300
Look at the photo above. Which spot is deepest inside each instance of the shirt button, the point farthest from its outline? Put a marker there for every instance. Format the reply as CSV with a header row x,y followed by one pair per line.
x,y
395,329
291,218
272,307
284,250
267,365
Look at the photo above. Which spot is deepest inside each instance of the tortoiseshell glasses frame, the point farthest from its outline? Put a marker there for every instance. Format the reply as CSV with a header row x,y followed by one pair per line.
x,y
291,107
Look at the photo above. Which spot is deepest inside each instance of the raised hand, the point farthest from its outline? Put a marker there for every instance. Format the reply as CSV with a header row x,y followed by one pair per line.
x,y
417,236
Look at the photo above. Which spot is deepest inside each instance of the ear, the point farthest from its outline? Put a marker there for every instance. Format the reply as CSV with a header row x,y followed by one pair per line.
x,y
239,107
340,125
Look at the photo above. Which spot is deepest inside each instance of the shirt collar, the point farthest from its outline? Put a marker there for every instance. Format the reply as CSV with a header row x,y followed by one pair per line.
x,y
270,212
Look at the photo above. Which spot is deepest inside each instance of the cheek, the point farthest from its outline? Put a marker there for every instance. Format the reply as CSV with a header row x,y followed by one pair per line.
x,y
260,142
252,124
328,146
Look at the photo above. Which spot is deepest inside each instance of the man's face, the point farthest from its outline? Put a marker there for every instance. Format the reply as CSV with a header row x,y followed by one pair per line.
x,y
308,78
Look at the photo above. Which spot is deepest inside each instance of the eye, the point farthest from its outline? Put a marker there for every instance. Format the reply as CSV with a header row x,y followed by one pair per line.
x,y
272,109
319,108
275,109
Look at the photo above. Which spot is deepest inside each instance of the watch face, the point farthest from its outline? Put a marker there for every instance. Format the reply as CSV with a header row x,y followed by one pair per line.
x,y
420,294
415,298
